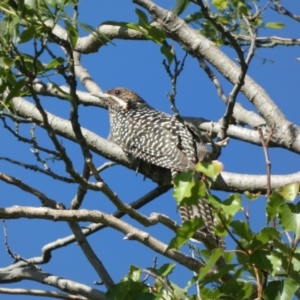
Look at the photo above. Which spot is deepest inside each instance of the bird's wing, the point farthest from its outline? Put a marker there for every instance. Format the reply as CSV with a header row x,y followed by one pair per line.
x,y
165,149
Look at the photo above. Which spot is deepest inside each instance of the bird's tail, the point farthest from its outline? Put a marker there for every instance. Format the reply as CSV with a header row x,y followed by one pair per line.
x,y
204,211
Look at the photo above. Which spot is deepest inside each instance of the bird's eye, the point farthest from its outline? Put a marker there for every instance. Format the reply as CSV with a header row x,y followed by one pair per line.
x,y
117,92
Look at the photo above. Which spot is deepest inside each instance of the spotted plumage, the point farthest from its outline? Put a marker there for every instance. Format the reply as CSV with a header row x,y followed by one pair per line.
x,y
159,139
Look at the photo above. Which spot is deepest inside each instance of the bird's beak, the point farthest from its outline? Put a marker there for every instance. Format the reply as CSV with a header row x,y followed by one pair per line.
x,y
107,97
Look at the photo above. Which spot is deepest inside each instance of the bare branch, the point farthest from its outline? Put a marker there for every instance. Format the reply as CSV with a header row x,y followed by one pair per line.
x,y
48,89
41,293
34,168
237,87
65,285
223,30
111,151
239,183
90,229
269,42
196,44
240,114
130,232
279,8
81,238
47,202
31,141
265,143
90,255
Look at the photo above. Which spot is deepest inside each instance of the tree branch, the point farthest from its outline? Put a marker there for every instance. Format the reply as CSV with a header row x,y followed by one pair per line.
x,y
65,285
131,233
196,44
41,293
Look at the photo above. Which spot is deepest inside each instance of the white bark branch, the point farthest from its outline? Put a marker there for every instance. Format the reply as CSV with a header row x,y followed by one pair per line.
x,y
130,232
66,285
111,151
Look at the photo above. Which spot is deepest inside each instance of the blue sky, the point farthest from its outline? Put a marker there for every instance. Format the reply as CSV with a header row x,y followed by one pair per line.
x,y
138,65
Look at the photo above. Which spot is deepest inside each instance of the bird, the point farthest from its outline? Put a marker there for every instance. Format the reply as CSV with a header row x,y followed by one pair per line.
x,y
159,139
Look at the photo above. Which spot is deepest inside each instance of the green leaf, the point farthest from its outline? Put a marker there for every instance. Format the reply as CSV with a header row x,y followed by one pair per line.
x,y
16,90
10,77
27,34
275,25
282,247
220,4
90,29
7,61
126,290
156,35
136,27
183,234
55,62
236,289
146,296
289,191
228,256
296,260
211,169
273,203
167,52
178,292
215,277
164,271
242,8
13,25
183,184
252,196
187,190
242,229
266,235
289,217
208,294
180,6
31,63
72,33
193,17
216,254
134,273
230,206
7,9
281,290
143,19
264,259
152,33
126,25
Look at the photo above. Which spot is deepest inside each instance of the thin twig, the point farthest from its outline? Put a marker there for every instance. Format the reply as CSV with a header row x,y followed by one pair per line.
x,y
25,140
130,232
47,202
178,68
15,256
237,87
93,228
38,169
265,144
282,10
223,30
90,254
213,77
41,293
105,166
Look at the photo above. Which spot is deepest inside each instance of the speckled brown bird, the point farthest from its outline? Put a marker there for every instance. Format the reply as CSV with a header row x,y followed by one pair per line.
x,y
157,138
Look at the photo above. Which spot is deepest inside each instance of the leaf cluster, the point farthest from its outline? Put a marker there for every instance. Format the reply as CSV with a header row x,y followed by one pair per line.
x,y
256,255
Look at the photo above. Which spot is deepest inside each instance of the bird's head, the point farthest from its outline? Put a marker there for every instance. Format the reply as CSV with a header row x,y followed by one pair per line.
x,y
121,99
